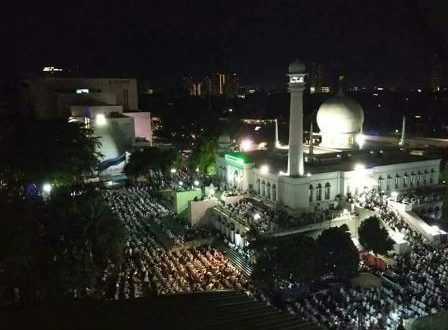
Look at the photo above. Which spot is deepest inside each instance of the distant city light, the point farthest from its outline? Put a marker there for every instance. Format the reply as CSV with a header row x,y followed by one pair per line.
x,y
264,169
82,91
51,69
100,119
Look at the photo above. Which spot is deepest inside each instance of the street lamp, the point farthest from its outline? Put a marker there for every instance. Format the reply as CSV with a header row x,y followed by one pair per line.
x,y
196,183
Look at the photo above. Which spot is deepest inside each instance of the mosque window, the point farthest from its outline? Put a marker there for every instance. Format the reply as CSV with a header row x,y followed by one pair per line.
x,y
263,188
274,192
327,190
258,187
431,176
268,190
425,177
319,192
388,183
412,181
405,180
310,198
397,179
419,178
380,183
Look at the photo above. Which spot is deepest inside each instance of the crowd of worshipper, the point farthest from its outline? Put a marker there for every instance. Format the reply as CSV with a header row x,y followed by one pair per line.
x,y
415,285
252,212
420,196
149,268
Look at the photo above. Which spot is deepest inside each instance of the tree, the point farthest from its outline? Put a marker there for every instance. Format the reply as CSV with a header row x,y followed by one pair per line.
x,y
204,155
145,160
37,150
374,237
336,252
290,257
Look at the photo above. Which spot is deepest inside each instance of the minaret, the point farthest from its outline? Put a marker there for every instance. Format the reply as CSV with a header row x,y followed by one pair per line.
x,y
296,87
311,148
403,132
276,142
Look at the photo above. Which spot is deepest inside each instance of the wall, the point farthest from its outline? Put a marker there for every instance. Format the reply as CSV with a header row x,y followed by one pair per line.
x,y
197,211
181,199
142,123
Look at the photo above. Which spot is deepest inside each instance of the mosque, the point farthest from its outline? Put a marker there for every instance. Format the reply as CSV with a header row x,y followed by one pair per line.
x,y
308,177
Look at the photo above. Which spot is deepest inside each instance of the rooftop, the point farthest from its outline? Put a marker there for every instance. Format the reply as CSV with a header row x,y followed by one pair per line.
x,y
332,162
208,310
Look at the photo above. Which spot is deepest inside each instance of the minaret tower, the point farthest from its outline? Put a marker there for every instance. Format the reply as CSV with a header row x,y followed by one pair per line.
x,y
296,87
276,142
403,132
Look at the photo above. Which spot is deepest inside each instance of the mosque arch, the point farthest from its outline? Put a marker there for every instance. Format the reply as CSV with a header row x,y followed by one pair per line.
x,y
263,188
274,192
311,191
319,192
380,183
268,190
327,190
388,182
257,186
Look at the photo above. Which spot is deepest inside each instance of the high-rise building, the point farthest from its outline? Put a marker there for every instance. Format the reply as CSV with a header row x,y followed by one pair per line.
x,y
320,79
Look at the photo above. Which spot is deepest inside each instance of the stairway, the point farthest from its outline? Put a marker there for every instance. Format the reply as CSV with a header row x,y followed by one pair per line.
x,y
235,258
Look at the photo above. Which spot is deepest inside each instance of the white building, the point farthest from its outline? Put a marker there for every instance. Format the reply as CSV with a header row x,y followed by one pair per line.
x,y
284,177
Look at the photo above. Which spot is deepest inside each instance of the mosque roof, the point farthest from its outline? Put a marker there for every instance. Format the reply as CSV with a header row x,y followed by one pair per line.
x,y
340,114
334,162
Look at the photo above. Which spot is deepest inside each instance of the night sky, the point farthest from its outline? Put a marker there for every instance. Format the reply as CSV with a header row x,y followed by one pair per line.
x,y
388,41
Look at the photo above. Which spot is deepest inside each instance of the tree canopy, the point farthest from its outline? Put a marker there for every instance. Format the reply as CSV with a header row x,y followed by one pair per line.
x,y
145,160
337,253
204,154
374,237
53,247
37,150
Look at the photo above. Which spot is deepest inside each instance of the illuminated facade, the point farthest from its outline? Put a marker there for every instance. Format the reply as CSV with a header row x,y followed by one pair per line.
x,y
282,177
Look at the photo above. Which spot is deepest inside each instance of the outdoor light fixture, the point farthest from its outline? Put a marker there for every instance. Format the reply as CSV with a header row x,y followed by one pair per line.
x,y
173,170
196,183
100,119
257,216
181,183
246,145
46,188
360,140
264,169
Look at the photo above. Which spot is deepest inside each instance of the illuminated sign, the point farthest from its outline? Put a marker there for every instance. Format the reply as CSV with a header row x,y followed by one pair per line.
x,y
82,91
237,160
300,79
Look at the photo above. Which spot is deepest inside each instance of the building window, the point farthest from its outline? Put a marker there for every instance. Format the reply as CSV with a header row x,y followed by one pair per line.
x,y
431,176
397,179
268,192
425,177
380,183
125,99
327,190
319,192
274,192
388,183
405,180
310,198
263,188
412,179
419,178
258,187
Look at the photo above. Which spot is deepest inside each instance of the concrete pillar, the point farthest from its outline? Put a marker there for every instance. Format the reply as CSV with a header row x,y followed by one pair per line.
x,y
296,87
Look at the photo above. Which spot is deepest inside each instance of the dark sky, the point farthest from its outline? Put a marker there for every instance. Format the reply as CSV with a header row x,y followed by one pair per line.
x,y
386,41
